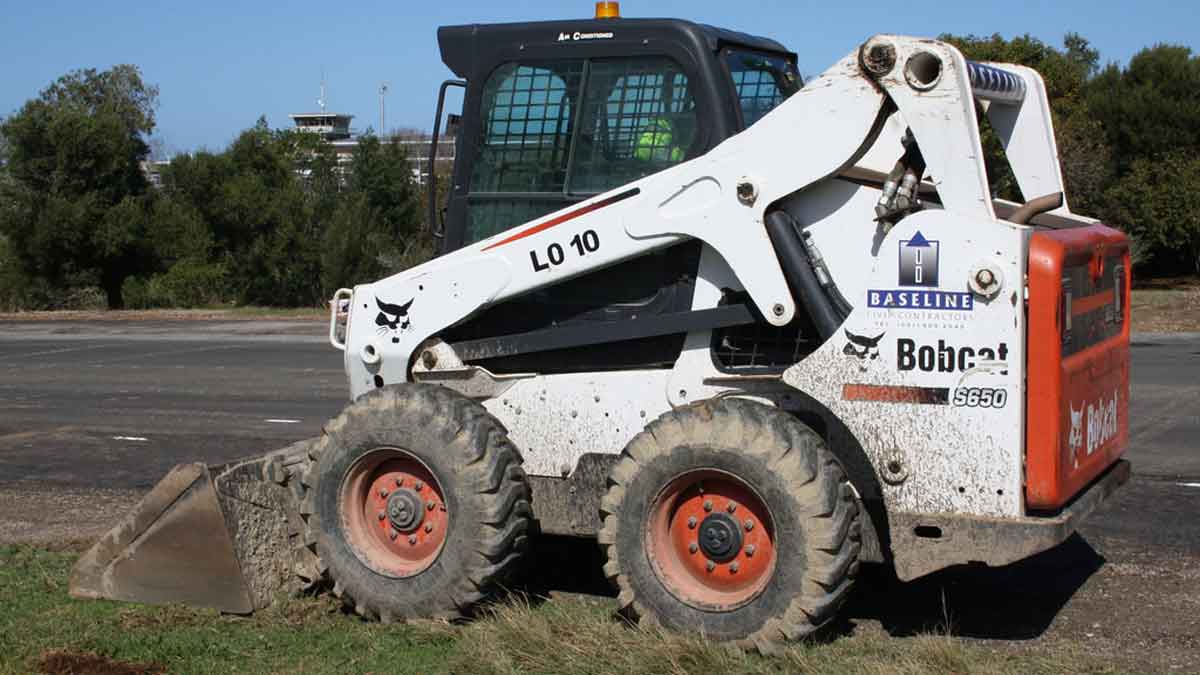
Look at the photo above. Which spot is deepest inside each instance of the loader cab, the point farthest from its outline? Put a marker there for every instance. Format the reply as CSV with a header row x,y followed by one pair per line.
x,y
556,112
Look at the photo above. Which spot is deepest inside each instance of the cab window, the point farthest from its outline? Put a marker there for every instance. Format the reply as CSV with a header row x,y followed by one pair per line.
x,y
528,115
761,81
639,118
556,132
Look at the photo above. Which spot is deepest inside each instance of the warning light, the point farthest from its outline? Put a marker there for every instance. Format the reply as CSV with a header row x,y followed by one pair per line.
x,y
608,10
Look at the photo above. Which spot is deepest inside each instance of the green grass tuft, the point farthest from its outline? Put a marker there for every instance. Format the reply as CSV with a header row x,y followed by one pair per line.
x,y
44,630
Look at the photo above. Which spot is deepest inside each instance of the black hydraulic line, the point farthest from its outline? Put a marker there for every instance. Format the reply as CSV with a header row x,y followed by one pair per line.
x,y
840,306
798,270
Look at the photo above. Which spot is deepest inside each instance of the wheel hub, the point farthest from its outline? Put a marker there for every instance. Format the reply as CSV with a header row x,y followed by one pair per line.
x,y
404,510
711,540
394,511
720,537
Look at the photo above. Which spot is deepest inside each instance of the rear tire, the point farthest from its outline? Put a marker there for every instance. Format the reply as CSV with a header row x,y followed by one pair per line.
x,y
702,485
419,506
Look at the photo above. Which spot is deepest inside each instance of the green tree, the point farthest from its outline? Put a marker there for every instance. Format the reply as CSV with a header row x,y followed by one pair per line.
x,y
1152,106
74,208
378,228
1154,201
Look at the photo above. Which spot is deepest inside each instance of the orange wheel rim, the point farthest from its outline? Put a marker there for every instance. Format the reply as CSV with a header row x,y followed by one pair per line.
x,y
394,512
711,540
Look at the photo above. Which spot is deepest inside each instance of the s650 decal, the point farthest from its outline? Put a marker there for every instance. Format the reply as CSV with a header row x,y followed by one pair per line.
x,y
980,397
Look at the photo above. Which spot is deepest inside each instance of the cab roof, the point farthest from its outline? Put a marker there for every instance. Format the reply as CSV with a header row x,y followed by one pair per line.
x,y
462,46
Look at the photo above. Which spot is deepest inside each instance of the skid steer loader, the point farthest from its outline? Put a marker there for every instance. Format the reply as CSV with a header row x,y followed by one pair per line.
x,y
700,312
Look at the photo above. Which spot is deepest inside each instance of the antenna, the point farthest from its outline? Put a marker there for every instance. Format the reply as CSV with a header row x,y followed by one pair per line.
x,y
383,90
321,101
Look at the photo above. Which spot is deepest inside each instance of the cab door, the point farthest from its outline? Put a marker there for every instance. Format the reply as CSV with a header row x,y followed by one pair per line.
x,y
555,132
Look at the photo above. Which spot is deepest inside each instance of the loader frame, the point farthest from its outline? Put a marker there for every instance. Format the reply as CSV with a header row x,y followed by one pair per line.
x,y
909,328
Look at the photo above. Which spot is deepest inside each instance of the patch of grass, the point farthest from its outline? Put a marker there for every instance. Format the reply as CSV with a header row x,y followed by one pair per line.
x,y
43,630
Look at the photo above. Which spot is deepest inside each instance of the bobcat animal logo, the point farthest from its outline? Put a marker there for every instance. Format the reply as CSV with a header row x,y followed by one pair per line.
x,y
1075,439
392,318
862,347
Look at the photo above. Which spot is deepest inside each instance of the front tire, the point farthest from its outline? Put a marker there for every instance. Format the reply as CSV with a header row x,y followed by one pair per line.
x,y
420,507
731,519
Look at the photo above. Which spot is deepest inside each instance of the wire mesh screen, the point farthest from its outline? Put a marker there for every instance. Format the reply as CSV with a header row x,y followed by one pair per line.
x,y
762,346
640,117
528,113
761,82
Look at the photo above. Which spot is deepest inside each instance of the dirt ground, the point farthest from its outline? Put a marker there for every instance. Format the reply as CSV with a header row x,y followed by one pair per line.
x,y
53,516
1167,305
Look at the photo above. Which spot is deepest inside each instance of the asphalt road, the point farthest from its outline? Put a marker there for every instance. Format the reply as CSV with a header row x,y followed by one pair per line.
x,y
117,405
92,414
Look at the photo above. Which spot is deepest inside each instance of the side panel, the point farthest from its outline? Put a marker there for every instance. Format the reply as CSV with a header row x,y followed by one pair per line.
x,y
1078,385
926,374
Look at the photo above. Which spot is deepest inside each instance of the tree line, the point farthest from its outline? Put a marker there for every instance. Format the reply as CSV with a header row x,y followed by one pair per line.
x,y
1128,140
275,219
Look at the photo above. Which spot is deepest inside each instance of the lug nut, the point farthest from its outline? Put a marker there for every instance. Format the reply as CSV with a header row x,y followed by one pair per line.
x,y
383,493
691,522
710,566
382,515
429,505
394,534
732,507
429,527
412,539
692,547
708,505
750,551
733,568
399,482
749,524
419,485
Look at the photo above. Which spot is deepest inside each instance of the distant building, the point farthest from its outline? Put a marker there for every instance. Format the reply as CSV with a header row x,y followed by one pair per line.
x,y
152,170
333,126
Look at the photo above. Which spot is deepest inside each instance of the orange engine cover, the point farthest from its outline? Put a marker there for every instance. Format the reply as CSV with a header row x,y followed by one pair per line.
x,y
1078,376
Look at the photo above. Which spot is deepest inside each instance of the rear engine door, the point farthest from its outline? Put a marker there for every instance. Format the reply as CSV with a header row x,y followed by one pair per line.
x,y
1078,368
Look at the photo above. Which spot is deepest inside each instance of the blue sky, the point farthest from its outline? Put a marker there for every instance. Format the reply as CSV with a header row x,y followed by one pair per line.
x,y
221,64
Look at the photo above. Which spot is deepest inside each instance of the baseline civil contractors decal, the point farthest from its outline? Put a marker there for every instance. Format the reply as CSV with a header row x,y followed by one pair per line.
x,y
917,273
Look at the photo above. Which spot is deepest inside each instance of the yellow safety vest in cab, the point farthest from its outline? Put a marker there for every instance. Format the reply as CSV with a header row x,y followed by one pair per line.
x,y
657,143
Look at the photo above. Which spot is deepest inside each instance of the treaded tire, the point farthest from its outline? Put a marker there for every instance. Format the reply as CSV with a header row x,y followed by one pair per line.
x,y
814,510
485,492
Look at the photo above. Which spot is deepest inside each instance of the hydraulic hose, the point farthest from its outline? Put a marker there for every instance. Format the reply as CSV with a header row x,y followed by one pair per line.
x,y
799,273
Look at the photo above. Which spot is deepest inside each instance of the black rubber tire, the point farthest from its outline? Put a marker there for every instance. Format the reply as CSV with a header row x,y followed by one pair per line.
x,y
479,470
814,509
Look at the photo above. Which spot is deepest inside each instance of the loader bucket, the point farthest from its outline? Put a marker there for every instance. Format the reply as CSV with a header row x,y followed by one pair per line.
x,y
208,537
173,548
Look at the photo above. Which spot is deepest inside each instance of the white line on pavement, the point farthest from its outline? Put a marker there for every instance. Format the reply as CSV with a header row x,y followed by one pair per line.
x,y
131,438
284,421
